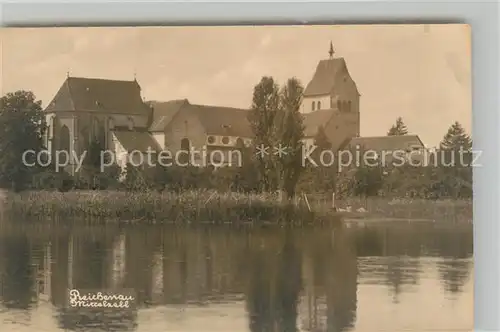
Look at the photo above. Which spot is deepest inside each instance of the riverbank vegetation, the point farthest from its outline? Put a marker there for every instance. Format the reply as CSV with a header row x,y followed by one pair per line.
x,y
242,193
208,206
194,206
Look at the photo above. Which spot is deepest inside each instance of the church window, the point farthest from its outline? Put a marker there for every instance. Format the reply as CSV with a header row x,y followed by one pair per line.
x,y
211,140
64,141
186,149
96,129
111,123
225,140
319,105
239,143
313,105
46,136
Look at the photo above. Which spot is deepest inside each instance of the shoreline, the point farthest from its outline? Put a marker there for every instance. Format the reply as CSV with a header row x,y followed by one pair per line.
x,y
211,207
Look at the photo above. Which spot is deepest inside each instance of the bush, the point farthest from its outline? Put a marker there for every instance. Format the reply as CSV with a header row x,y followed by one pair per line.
x,y
48,179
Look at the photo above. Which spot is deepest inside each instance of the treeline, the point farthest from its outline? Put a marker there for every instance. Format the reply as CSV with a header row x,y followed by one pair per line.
x,y
275,121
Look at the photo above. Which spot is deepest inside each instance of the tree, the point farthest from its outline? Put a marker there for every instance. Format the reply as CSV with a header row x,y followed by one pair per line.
x,y
246,178
320,178
321,140
22,125
93,175
367,181
455,157
398,129
455,138
291,132
262,115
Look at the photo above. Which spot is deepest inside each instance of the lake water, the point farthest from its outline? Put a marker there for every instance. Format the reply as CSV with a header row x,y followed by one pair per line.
x,y
385,278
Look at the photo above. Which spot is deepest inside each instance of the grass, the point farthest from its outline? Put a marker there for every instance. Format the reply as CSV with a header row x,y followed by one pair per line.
x,y
204,206
442,210
186,207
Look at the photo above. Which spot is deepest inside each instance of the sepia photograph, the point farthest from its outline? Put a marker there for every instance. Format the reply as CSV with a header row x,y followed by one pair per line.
x,y
237,178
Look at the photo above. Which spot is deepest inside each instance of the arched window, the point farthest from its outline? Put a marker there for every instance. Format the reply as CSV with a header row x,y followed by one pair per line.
x,y
239,143
51,121
185,148
111,123
349,105
48,131
319,105
95,129
64,142
313,105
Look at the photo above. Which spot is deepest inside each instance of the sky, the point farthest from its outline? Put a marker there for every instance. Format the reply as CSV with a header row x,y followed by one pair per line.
x,y
419,72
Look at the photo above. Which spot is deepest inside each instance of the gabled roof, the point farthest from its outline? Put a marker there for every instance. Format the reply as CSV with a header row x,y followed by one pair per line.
x,y
136,141
91,94
325,77
163,112
218,120
385,143
227,121
313,120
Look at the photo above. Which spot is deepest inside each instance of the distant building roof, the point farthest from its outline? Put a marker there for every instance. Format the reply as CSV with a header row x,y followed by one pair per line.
x,y
218,120
227,121
325,77
385,143
313,120
92,94
163,112
136,141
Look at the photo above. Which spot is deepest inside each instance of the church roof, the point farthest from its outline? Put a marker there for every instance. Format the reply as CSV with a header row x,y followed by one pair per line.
x,y
136,140
326,75
219,120
228,121
92,94
312,121
163,112
385,143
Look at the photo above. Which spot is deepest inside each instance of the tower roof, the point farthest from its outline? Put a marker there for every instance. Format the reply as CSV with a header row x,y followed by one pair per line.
x,y
325,77
331,52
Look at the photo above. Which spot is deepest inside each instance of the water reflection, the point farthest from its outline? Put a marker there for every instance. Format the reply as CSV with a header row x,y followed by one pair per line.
x,y
287,280
17,273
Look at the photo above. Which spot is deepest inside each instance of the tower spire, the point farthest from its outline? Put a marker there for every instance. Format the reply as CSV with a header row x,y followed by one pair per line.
x,y
331,51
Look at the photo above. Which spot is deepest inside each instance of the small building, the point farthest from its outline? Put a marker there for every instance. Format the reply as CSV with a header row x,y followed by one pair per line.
x,y
388,149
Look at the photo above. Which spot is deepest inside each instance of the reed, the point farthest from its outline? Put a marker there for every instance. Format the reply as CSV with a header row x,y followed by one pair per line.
x,y
442,210
207,206
200,206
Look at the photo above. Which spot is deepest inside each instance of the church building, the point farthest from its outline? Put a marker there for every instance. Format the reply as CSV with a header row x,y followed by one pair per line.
x,y
331,100
114,115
